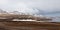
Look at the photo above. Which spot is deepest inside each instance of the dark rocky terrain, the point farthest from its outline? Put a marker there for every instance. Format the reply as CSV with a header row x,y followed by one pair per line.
x,y
29,26
6,23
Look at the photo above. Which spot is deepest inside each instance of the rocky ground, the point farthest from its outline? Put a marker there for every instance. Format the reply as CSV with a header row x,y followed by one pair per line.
x,y
29,26
24,25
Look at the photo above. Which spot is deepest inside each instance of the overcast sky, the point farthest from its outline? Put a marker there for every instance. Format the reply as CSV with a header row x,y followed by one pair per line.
x,y
45,5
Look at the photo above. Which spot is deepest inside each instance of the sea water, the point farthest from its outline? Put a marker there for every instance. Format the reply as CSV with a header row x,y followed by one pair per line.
x,y
56,17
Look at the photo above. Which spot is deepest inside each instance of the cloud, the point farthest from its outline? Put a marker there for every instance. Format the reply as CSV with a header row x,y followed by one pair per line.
x,y
45,5
3,2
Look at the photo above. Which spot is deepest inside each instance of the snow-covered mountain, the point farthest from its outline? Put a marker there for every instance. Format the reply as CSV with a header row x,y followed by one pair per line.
x,y
32,11
1,11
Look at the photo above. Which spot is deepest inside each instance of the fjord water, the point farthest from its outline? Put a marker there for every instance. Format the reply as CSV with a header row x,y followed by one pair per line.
x,y
56,17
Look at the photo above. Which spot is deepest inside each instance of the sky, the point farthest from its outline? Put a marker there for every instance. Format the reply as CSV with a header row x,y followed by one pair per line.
x,y
23,5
